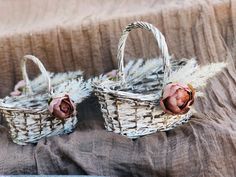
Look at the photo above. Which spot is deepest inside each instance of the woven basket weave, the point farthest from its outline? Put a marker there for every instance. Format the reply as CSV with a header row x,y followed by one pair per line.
x,y
136,114
27,115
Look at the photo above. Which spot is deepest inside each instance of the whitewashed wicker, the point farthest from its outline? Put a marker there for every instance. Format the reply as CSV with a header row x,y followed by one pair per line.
x,y
136,114
28,116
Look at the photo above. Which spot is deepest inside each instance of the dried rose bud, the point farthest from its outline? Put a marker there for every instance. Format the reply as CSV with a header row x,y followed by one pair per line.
x,y
112,74
18,88
62,107
177,98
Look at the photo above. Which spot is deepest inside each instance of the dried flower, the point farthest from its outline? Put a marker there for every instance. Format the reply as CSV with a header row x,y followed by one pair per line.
x,y
62,107
177,98
18,88
112,74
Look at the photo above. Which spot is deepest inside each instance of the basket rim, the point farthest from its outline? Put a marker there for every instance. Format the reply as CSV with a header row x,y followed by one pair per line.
x,y
4,106
41,109
26,110
84,93
128,95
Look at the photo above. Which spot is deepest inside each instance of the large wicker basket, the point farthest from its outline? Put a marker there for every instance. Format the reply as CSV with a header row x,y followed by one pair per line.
x,y
28,116
137,113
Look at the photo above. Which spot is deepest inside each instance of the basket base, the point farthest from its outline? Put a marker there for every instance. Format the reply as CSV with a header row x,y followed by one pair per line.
x,y
134,133
26,128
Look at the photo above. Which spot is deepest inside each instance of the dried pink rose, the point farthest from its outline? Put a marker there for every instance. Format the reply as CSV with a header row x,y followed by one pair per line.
x,y
18,88
177,98
112,74
62,107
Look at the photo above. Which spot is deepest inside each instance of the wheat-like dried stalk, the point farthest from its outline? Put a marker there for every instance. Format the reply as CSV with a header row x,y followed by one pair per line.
x,y
71,83
195,75
39,84
78,89
136,73
140,75
146,76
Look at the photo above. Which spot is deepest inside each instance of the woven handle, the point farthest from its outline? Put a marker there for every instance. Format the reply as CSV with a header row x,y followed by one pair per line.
x,y
160,41
41,68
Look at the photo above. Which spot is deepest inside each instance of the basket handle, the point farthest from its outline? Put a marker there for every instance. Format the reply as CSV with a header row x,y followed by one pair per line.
x,y
41,68
160,41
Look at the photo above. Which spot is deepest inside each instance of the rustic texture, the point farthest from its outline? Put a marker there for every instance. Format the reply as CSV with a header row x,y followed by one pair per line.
x,y
30,119
69,35
136,114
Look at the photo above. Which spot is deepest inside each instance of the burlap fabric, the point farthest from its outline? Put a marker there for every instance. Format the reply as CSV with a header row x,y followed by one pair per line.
x,y
69,35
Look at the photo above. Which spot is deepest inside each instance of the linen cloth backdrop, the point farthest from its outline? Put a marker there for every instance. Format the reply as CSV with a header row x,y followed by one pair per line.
x,y
75,34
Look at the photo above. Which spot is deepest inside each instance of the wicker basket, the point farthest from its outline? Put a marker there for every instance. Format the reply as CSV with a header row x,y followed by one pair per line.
x,y
28,116
131,113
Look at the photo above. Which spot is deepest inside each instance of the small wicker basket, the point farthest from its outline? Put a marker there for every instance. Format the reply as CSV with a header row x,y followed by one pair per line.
x,y
28,116
137,113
